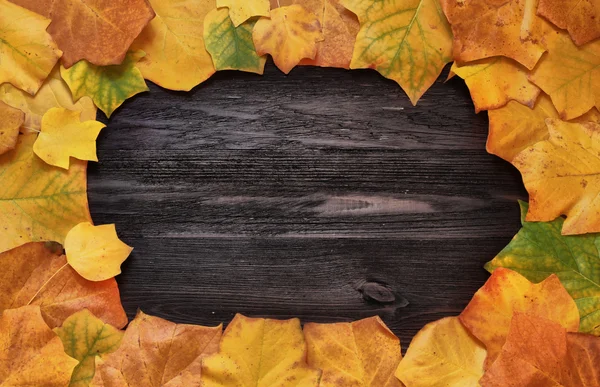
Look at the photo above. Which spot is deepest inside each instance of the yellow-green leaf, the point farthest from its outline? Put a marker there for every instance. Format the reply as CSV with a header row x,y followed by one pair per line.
x,y
242,10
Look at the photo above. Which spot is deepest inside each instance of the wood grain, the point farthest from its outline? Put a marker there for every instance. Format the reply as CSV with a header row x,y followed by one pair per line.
x,y
323,195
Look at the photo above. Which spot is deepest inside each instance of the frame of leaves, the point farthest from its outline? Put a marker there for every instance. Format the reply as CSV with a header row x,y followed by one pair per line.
x,y
533,65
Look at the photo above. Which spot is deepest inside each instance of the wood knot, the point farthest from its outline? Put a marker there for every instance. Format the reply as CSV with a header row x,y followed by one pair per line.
x,y
376,292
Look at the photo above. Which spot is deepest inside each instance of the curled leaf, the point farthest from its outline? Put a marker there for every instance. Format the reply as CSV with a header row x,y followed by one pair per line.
x,y
10,122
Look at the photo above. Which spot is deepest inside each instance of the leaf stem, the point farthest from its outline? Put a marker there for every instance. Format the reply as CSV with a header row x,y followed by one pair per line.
x,y
46,283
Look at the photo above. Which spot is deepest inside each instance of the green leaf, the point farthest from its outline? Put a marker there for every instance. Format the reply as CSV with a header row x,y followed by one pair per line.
x,y
108,86
231,48
539,250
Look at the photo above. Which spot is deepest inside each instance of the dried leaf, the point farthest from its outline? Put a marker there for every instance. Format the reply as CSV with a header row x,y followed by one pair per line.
x,y
539,249
85,337
231,47
11,121
27,52
108,86
30,353
41,7
408,41
242,10
34,274
360,354
580,18
39,202
290,35
443,353
489,313
95,252
261,353
155,352
561,175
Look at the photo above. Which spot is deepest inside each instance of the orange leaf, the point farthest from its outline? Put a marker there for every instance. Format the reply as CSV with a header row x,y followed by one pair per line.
x,y
38,275
11,121
361,353
580,18
156,352
30,353
41,7
489,313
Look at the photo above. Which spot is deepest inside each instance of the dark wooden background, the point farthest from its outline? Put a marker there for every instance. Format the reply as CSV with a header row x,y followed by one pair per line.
x,y
322,195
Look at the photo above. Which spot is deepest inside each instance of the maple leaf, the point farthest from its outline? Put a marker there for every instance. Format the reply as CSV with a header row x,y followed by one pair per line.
x,y
260,352
488,314
64,136
493,82
290,35
155,352
27,54
231,47
361,353
38,274
443,353
580,18
108,86
176,57
39,202
570,75
85,337
95,252
53,93
539,249
242,10
561,175
11,121
30,353
540,352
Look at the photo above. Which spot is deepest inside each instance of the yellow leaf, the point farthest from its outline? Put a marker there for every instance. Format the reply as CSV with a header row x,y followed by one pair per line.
x,y
443,354
53,93
95,252
359,354
174,44
64,136
242,10
261,353
108,86
290,35
562,176
85,337
580,18
30,353
27,52
39,202
408,41
495,81
10,123
489,313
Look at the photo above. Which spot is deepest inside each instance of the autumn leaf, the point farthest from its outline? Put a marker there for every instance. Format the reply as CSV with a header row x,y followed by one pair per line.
x,y
36,274
108,86
176,58
11,121
561,176
483,29
443,353
63,136
231,47
27,54
30,353
540,352
539,249
95,252
155,352
41,7
262,353
493,82
39,202
242,10
580,18
290,35
361,353
408,41
53,93
85,337
489,313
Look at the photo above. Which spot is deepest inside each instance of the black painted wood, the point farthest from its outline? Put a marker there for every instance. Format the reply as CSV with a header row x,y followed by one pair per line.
x,y
323,195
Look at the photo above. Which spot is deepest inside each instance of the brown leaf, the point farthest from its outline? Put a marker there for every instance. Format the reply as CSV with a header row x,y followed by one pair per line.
x,y
580,18
11,121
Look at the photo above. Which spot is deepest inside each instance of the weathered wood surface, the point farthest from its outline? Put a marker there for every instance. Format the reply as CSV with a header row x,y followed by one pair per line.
x,y
323,195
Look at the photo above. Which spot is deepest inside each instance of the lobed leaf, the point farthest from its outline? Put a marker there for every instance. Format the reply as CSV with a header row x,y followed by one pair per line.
x,y
580,18
242,10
